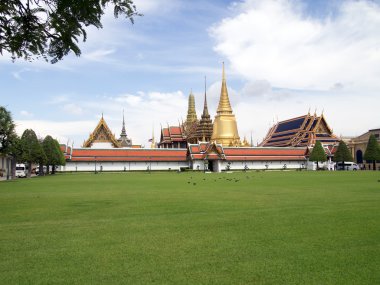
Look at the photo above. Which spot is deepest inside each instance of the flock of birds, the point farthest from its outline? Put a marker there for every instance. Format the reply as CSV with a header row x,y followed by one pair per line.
x,y
224,178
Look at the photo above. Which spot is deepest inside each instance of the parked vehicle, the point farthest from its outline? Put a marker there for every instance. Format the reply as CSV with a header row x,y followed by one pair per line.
x,y
348,165
21,170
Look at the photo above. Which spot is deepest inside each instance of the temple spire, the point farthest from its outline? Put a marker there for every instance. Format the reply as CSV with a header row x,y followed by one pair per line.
x,y
123,132
224,106
191,113
205,108
225,127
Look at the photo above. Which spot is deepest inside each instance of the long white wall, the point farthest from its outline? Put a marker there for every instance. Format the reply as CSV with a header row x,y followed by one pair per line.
x,y
123,166
220,165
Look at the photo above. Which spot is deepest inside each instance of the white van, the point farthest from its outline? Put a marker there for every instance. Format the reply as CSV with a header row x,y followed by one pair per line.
x,y
348,165
20,170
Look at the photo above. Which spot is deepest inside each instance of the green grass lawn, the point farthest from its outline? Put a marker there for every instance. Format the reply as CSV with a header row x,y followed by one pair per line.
x,y
191,228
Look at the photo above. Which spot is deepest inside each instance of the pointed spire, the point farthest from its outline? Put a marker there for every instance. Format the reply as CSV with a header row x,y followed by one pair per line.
x,y
123,132
224,102
205,108
191,113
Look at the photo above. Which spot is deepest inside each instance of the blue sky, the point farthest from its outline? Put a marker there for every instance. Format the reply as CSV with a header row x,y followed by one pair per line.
x,y
282,59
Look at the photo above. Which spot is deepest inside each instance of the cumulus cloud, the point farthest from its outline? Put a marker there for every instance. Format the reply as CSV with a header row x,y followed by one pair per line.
x,y
275,40
26,113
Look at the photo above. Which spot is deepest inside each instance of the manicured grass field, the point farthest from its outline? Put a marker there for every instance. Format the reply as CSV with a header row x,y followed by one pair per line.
x,y
191,228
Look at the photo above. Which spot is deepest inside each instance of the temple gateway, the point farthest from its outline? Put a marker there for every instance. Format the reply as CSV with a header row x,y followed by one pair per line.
x,y
203,144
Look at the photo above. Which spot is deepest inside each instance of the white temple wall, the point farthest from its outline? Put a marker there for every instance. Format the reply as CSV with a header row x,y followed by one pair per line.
x,y
123,166
223,165
262,165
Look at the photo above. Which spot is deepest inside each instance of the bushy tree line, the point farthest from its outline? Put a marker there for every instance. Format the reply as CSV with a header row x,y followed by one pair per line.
x,y
28,148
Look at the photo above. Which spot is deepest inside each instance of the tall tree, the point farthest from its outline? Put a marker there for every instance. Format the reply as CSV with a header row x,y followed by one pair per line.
x,y
372,152
53,153
342,154
318,153
52,28
7,131
32,151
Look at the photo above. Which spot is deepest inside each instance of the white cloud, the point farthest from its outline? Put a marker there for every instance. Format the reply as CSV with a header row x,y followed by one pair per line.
x,y
73,109
274,40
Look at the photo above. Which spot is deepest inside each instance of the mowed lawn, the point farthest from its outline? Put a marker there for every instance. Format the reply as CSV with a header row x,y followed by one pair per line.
x,y
191,228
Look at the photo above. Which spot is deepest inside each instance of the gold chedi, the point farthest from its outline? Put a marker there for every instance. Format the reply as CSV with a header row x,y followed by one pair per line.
x,y
225,127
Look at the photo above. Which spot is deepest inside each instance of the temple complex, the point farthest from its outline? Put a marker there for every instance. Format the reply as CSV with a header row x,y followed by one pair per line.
x,y
225,127
205,145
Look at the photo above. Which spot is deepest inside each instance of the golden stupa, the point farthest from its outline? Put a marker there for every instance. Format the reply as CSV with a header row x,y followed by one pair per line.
x,y
225,127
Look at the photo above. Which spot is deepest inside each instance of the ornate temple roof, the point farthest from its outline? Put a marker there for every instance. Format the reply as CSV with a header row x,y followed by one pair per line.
x,y
212,151
172,134
102,134
300,131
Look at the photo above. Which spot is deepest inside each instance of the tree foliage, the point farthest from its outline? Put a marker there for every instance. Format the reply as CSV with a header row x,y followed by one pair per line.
x,y
54,155
32,151
318,153
7,131
372,152
52,28
342,154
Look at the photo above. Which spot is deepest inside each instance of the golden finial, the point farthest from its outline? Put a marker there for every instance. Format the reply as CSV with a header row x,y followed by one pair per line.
x,y
224,74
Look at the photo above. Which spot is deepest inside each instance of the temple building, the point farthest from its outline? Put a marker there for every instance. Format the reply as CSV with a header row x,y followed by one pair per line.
x,y
172,137
204,129
300,132
102,137
358,145
225,130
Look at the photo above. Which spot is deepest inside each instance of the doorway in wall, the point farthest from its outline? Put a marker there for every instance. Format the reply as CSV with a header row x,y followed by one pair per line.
x,y
359,156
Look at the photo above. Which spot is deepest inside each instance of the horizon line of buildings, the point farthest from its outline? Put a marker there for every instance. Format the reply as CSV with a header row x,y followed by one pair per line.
x,y
203,144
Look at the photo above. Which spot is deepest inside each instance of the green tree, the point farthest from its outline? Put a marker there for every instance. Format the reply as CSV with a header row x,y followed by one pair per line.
x,y
52,28
32,151
318,153
342,154
372,152
7,131
53,153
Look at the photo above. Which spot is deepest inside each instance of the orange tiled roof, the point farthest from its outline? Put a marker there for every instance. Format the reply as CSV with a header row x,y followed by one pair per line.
x,y
80,154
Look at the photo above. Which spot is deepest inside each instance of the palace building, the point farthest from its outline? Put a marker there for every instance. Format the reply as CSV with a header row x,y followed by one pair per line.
x,y
301,131
204,145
